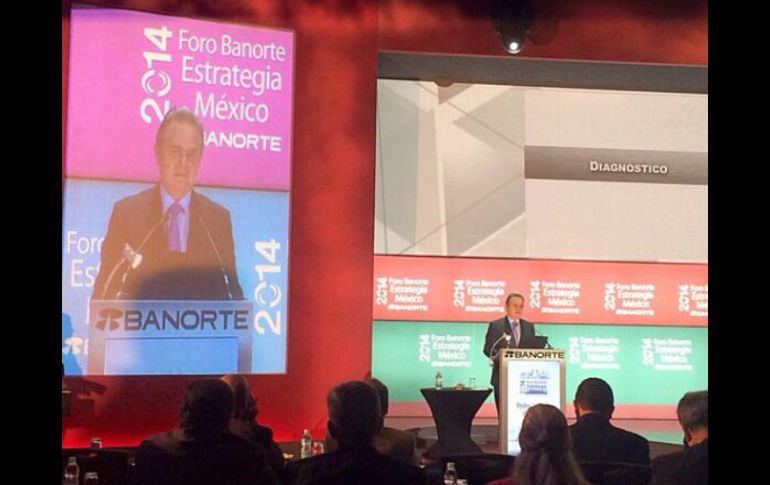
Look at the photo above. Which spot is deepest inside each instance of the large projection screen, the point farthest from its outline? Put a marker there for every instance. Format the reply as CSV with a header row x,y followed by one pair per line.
x,y
583,186
205,293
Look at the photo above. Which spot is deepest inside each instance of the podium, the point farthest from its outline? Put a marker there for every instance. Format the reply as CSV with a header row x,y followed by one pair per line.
x,y
141,337
527,377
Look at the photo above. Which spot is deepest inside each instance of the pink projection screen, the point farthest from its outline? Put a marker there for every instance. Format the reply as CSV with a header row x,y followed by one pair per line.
x,y
127,70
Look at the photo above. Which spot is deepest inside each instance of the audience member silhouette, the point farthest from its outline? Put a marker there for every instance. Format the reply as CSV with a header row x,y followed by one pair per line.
x,y
593,437
392,442
244,422
546,457
690,466
354,420
202,451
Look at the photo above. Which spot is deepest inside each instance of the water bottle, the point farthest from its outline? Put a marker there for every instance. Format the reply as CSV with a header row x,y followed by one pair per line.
x,y
305,444
439,380
71,471
450,475
91,478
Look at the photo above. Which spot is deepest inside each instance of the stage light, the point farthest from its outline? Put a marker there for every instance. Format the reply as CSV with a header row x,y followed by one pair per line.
x,y
514,47
512,19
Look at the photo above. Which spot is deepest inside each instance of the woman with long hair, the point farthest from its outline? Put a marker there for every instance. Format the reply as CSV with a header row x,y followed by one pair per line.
x,y
546,457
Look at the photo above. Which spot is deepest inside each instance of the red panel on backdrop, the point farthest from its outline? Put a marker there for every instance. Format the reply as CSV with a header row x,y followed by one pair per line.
x,y
332,209
474,290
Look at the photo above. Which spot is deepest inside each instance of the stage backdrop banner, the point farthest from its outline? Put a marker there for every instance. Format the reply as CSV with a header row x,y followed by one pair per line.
x,y
633,360
474,289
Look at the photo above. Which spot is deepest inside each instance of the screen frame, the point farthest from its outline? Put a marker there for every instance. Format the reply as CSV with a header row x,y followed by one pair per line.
x,y
281,319
445,70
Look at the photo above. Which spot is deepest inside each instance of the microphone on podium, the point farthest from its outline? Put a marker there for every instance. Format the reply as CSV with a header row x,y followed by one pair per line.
x,y
493,355
228,287
131,256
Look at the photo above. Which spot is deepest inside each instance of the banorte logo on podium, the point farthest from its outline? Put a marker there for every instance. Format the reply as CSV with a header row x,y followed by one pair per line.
x,y
109,317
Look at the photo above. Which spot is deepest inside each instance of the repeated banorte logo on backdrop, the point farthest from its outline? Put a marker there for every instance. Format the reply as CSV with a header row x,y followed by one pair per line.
x,y
559,297
479,295
445,349
635,299
398,293
694,300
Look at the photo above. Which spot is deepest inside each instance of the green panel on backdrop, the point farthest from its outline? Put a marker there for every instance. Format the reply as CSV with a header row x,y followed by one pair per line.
x,y
407,355
643,364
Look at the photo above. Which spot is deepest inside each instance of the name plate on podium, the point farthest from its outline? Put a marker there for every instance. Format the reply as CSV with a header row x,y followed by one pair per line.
x,y
527,377
169,337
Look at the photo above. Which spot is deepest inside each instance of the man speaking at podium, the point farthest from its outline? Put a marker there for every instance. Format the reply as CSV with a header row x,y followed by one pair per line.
x,y
169,242
511,331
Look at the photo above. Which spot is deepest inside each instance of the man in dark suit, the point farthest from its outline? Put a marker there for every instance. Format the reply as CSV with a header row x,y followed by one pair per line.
x,y
244,421
202,451
170,242
511,331
690,466
392,442
593,437
354,420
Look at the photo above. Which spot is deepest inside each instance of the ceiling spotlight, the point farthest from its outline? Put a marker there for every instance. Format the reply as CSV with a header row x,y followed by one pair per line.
x,y
513,47
512,19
